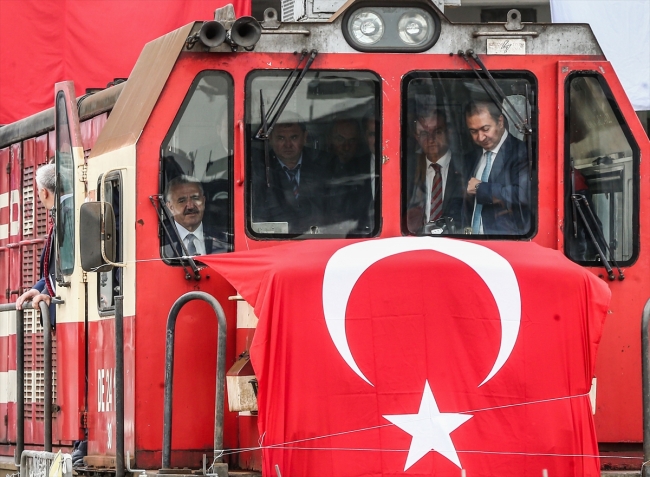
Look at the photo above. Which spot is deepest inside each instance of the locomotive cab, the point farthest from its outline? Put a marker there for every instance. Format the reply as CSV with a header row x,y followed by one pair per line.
x,y
231,136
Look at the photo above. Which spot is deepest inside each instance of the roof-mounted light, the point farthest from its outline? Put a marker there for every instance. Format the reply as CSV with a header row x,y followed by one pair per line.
x,y
376,26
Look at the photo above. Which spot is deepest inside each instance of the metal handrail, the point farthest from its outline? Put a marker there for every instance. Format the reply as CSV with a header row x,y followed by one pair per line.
x,y
645,372
169,374
20,375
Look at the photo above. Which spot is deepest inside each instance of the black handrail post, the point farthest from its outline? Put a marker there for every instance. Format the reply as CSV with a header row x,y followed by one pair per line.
x,y
169,374
47,365
20,392
645,371
119,386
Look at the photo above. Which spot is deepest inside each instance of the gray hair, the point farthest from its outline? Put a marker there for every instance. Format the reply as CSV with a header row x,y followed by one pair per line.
x,y
180,180
46,177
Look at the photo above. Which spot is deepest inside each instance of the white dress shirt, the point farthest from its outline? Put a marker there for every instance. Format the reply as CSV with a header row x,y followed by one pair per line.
x,y
481,166
199,243
443,162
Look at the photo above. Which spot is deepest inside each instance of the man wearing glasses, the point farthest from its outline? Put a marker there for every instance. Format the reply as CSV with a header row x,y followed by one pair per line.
x,y
185,199
438,184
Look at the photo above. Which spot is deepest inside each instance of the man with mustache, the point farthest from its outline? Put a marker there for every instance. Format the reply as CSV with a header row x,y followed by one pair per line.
x,y
185,199
499,190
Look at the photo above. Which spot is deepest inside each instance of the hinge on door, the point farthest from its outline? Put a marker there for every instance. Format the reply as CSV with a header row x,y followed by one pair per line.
x,y
83,419
84,277
83,172
9,167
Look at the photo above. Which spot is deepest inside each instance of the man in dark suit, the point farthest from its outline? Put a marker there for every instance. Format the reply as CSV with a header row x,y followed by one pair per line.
x,y
185,199
499,190
44,288
438,188
296,191
350,206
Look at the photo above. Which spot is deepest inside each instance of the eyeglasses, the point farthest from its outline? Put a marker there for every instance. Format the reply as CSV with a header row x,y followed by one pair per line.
x,y
426,135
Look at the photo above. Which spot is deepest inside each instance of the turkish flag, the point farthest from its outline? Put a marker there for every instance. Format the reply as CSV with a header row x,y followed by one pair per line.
x,y
422,356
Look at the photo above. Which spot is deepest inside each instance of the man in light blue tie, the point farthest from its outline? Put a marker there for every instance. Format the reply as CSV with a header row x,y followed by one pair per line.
x,y
500,185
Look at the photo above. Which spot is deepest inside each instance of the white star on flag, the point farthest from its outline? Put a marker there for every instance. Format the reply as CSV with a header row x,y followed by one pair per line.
x,y
431,429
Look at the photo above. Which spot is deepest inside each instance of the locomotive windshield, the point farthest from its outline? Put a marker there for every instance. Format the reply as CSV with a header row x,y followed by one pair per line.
x,y
320,175
466,167
196,185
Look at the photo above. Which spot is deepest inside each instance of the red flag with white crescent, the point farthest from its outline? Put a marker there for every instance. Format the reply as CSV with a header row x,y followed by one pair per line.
x,y
422,356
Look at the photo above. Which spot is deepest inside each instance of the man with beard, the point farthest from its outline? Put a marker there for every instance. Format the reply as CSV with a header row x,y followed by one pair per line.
x,y
185,199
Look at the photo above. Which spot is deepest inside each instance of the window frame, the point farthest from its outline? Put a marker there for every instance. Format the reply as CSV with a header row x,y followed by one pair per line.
x,y
534,170
175,262
248,139
114,176
636,163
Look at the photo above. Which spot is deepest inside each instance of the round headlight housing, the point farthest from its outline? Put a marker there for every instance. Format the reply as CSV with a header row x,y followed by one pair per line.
x,y
379,25
414,28
366,27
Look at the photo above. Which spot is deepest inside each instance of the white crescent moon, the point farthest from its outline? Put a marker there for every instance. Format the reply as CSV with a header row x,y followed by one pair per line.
x,y
347,265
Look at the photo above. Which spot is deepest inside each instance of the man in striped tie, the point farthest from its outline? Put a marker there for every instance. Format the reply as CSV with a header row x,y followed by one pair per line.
x,y
499,189
438,187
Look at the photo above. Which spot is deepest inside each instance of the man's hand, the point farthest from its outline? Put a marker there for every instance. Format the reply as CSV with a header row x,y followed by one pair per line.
x,y
41,297
471,185
27,296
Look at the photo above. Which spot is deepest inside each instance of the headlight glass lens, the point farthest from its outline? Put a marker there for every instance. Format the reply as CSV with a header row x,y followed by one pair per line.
x,y
414,28
366,27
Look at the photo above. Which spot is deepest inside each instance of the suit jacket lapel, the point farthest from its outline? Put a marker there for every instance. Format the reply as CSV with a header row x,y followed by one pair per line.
x,y
500,159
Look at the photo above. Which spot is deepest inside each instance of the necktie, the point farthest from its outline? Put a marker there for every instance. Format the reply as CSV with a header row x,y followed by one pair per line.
x,y
476,221
291,173
47,256
191,248
435,212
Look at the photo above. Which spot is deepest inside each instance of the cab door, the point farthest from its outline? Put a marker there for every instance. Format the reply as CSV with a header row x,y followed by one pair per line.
x,y
70,279
604,179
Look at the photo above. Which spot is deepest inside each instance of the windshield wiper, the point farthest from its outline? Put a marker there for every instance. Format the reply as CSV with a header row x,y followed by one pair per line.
x,y
163,214
498,97
576,199
264,135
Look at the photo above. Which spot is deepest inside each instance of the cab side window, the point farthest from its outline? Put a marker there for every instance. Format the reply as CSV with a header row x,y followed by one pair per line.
x,y
109,283
196,164
601,175
65,189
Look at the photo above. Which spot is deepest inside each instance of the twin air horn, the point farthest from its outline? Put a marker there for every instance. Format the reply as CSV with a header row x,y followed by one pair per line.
x,y
243,32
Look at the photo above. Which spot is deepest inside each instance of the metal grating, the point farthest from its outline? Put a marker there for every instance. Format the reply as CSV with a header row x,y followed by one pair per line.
x,y
28,201
287,10
29,266
34,372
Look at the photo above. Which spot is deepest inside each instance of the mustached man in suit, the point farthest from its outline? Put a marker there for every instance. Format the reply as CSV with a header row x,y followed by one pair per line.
x,y
45,288
297,181
185,199
438,188
499,191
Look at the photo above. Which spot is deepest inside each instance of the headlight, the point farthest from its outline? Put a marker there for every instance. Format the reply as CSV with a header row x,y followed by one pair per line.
x,y
372,26
414,28
366,26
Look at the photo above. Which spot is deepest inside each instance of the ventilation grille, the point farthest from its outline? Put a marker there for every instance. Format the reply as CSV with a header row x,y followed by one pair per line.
x,y
287,10
28,201
34,370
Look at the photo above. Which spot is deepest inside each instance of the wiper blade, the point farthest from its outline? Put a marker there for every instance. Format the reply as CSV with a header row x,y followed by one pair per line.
x,y
264,135
163,214
522,125
577,199
265,130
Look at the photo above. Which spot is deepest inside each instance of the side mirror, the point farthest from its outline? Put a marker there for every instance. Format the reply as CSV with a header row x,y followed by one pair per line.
x,y
93,233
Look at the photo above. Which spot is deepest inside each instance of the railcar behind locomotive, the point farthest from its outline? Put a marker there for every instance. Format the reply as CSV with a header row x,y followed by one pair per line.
x,y
187,158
